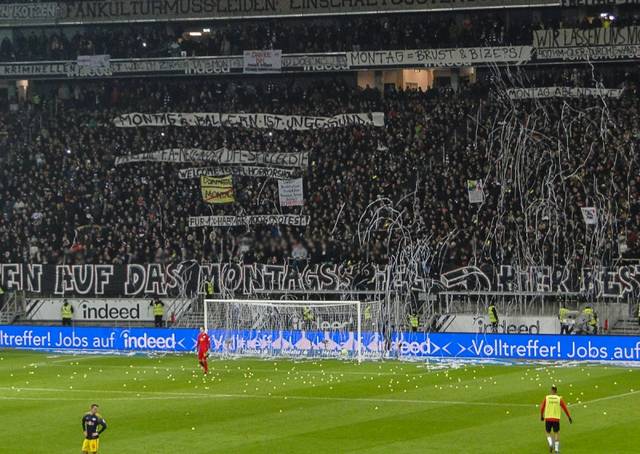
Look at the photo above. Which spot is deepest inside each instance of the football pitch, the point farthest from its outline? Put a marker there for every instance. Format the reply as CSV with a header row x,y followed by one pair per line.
x,y
164,405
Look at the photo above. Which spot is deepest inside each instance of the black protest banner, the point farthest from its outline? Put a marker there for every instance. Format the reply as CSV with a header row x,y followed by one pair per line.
x,y
187,279
114,11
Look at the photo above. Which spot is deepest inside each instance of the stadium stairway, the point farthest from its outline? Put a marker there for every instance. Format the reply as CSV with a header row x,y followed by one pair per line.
x,y
11,309
191,319
625,327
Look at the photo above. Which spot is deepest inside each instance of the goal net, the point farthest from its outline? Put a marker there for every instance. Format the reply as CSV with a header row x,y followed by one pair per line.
x,y
299,329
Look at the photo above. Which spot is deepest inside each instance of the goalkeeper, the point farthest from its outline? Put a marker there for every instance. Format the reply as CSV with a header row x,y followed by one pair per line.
x,y
203,345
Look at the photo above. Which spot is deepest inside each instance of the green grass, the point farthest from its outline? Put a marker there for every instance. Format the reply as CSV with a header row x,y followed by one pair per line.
x,y
163,405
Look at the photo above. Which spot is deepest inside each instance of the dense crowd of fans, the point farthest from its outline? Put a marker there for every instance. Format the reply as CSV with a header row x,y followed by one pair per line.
x,y
311,35
62,199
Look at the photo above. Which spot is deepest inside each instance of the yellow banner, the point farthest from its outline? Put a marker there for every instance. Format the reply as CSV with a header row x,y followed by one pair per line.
x,y
217,189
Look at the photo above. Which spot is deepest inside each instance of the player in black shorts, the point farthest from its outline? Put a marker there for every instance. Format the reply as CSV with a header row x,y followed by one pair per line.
x,y
550,412
92,426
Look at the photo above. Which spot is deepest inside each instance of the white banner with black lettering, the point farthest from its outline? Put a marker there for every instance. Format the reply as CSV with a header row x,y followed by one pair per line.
x,y
577,37
587,44
589,53
475,190
291,192
262,61
480,324
462,56
574,3
94,309
590,215
93,61
261,219
220,156
248,120
562,92
248,171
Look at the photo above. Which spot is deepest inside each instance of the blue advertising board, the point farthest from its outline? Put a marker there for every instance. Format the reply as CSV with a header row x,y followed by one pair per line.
x,y
100,339
326,343
520,346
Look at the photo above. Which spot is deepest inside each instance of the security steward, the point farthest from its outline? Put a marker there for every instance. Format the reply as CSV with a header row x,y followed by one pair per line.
x,y
307,315
414,322
594,323
591,318
367,314
66,313
493,318
208,289
563,315
158,312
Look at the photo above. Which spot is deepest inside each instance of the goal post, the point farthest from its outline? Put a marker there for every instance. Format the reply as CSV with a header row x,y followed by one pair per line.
x,y
292,328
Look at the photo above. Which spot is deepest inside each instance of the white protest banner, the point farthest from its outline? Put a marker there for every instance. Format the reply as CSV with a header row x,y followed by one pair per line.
x,y
316,62
261,219
475,190
574,3
562,92
93,61
577,37
262,61
590,215
248,120
248,171
593,43
221,156
463,56
589,53
177,66
291,192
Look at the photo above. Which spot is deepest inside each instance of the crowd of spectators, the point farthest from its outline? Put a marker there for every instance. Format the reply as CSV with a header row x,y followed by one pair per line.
x,y
62,199
413,31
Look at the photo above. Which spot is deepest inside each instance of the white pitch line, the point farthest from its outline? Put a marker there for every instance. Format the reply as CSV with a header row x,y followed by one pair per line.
x,y
57,362
60,363
278,397
82,399
177,396
602,399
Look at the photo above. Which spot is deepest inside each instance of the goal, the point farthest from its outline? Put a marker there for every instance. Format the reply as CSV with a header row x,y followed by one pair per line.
x,y
299,329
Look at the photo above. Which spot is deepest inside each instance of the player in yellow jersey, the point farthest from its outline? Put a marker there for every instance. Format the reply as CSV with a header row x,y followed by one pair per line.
x,y
550,412
90,423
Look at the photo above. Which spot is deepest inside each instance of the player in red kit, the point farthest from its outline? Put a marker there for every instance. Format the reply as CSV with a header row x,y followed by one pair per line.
x,y
203,349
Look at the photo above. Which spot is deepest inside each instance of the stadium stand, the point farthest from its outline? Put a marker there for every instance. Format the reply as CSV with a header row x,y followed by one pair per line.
x,y
423,30
64,201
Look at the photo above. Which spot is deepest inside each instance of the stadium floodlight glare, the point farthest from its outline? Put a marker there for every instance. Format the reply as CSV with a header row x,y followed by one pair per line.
x,y
289,328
